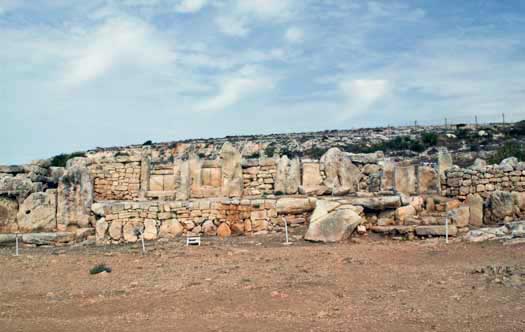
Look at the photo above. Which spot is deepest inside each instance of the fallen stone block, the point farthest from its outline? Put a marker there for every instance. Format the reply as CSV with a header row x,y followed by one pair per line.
x,y
436,230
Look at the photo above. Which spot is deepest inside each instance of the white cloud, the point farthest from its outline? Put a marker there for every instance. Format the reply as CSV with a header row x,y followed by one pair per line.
x,y
117,42
294,35
265,8
190,6
360,95
243,14
248,81
232,26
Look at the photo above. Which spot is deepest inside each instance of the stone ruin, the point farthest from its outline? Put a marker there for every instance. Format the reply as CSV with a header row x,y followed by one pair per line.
x,y
105,197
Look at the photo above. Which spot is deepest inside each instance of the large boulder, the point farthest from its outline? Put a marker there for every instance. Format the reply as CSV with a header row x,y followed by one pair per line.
x,y
75,195
232,180
501,206
38,212
19,186
341,173
150,229
333,227
170,228
8,212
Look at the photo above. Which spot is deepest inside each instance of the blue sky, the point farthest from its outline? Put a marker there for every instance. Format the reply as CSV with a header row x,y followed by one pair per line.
x,y
79,74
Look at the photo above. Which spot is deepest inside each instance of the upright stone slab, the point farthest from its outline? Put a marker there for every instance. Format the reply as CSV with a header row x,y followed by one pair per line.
x,y
232,180
341,173
387,178
183,179
75,195
311,176
444,161
475,204
293,178
8,212
428,180
405,179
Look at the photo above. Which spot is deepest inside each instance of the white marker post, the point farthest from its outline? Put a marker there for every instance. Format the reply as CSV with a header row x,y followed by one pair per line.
x,y
16,244
446,229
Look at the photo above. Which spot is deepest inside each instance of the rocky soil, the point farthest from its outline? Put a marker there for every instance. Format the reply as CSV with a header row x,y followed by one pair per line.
x,y
258,284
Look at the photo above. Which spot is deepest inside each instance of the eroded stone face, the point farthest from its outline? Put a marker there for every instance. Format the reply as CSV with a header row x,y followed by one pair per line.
x,y
38,212
341,173
8,212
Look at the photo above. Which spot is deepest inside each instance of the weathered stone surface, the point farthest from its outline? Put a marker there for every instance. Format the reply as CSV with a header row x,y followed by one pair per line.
x,y
48,238
11,169
519,200
288,177
479,163
428,180
295,205
475,204
231,171
130,231
366,158
38,212
115,230
7,239
460,216
170,228
405,212
8,212
501,205
512,162
436,230
333,227
311,176
393,229
150,229
209,228
98,209
444,161
387,178
183,177
75,195
323,208
293,178
19,186
224,230
405,179
101,229
340,171
376,203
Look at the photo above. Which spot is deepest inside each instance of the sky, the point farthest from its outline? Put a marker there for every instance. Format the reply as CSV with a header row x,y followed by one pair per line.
x,y
78,74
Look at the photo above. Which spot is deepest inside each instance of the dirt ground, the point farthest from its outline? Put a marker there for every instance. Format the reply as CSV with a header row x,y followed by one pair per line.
x,y
258,284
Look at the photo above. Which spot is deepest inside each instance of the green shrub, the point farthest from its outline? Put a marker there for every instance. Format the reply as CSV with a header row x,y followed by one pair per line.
x,y
61,159
509,149
148,142
429,139
270,150
99,268
315,152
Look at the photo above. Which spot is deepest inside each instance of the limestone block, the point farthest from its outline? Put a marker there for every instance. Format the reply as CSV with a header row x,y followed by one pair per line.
x,y
428,180
38,212
405,179
8,212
